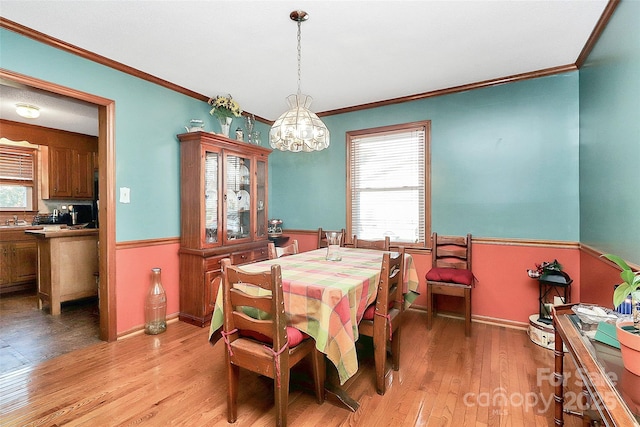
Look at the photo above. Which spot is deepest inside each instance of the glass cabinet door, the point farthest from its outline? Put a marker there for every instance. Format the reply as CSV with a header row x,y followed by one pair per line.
x,y
211,199
261,197
237,197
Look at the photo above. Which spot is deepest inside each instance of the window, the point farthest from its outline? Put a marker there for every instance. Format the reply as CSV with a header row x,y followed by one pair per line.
x,y
17,178
388,191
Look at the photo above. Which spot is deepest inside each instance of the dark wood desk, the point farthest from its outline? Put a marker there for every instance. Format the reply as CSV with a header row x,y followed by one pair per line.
x,y
608,395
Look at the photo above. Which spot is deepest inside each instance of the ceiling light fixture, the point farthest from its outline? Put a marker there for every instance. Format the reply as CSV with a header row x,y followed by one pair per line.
x,y
28,111
299,129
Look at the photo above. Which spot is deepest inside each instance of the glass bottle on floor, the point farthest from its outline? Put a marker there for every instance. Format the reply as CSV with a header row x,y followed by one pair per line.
x,y
155,307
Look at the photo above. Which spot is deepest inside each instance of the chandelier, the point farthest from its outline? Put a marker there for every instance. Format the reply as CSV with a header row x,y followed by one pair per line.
x,y
299,129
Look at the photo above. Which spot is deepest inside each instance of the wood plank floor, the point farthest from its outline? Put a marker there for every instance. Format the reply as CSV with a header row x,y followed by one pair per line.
x,y
496,377
29,335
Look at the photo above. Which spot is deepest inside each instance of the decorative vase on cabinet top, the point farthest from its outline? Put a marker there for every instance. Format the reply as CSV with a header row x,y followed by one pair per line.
x,y
225,125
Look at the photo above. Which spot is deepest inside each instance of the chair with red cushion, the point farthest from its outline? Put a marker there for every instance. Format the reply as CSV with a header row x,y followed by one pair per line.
x,y
382,319
450,273
257,337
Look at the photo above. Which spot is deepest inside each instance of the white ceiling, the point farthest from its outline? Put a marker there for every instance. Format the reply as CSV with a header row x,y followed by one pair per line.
x,y
56,111
353,52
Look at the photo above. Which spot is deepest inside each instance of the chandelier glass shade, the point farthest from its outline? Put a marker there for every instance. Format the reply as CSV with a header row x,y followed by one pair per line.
x,y
299,129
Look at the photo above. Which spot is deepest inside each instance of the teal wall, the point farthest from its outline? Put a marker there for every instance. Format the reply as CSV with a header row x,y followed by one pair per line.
x,y
148,118
610,138
505,159
504,162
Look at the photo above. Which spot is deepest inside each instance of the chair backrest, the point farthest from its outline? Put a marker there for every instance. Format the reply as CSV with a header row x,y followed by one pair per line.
x,y
269,318
322,237
390,294
451,251
290,249
382,245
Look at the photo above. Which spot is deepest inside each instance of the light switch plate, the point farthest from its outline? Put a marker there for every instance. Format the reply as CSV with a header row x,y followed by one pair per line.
x,y
125,195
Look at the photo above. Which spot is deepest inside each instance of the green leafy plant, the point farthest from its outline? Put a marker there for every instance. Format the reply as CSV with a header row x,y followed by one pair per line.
x,y
630,280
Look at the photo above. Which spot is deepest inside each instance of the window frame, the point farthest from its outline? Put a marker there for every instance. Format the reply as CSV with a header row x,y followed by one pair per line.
x,y
426,125
33,183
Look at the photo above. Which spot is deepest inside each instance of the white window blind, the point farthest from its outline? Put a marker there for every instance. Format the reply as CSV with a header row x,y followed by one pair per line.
x,y
16,164
17,178
388,184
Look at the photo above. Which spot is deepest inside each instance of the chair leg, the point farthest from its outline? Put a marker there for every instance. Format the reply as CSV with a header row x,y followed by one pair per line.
x,y
467,312
429,306
395,349
233,375
282,393
319,374
380,356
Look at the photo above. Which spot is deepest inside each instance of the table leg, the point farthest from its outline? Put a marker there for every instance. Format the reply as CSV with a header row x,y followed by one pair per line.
x,y
342,396
332,387
558,377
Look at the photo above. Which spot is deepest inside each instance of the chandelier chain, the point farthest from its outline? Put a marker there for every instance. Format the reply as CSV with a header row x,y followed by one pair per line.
x,y
299,57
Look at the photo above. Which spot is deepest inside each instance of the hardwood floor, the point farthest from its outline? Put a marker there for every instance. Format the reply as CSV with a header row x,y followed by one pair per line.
x,y
496,377
29,336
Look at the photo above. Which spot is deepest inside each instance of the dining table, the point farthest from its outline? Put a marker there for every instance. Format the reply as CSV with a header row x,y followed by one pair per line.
x,y
327,299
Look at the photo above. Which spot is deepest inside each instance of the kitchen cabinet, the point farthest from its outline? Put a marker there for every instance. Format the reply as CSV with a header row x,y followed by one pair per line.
x,y
68,159
18,253
67,263
70,173
223,215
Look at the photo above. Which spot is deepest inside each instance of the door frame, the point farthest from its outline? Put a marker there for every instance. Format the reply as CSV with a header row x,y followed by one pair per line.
x,y
106,191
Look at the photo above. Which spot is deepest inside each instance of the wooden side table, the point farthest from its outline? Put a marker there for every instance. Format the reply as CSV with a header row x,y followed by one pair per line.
x,y
601,372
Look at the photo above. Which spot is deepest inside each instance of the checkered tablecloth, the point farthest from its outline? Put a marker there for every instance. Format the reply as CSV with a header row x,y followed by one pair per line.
x,y
327,299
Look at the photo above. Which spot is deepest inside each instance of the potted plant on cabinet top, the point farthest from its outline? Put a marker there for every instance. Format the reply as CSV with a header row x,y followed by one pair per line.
x,y
628,333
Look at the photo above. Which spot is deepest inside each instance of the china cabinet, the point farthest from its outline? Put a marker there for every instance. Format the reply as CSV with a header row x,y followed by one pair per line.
x,y
223,211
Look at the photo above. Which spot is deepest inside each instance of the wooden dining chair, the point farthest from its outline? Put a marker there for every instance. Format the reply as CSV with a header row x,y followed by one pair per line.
x,y
290,249
382,245
382,319
322,237
262,342
450,274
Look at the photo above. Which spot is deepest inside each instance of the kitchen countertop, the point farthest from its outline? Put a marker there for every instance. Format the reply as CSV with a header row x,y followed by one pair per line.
x,y
20,227
48,232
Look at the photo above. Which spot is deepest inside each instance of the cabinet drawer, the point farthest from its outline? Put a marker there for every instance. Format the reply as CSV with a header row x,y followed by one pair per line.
x,y
260,254
240,258
213,263
245,257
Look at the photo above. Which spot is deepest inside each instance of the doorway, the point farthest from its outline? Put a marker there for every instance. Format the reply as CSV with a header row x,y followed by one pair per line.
x,y
106,179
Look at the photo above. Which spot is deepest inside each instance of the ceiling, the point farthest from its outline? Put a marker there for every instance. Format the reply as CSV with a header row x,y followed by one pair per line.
x,y
56,111
353,52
